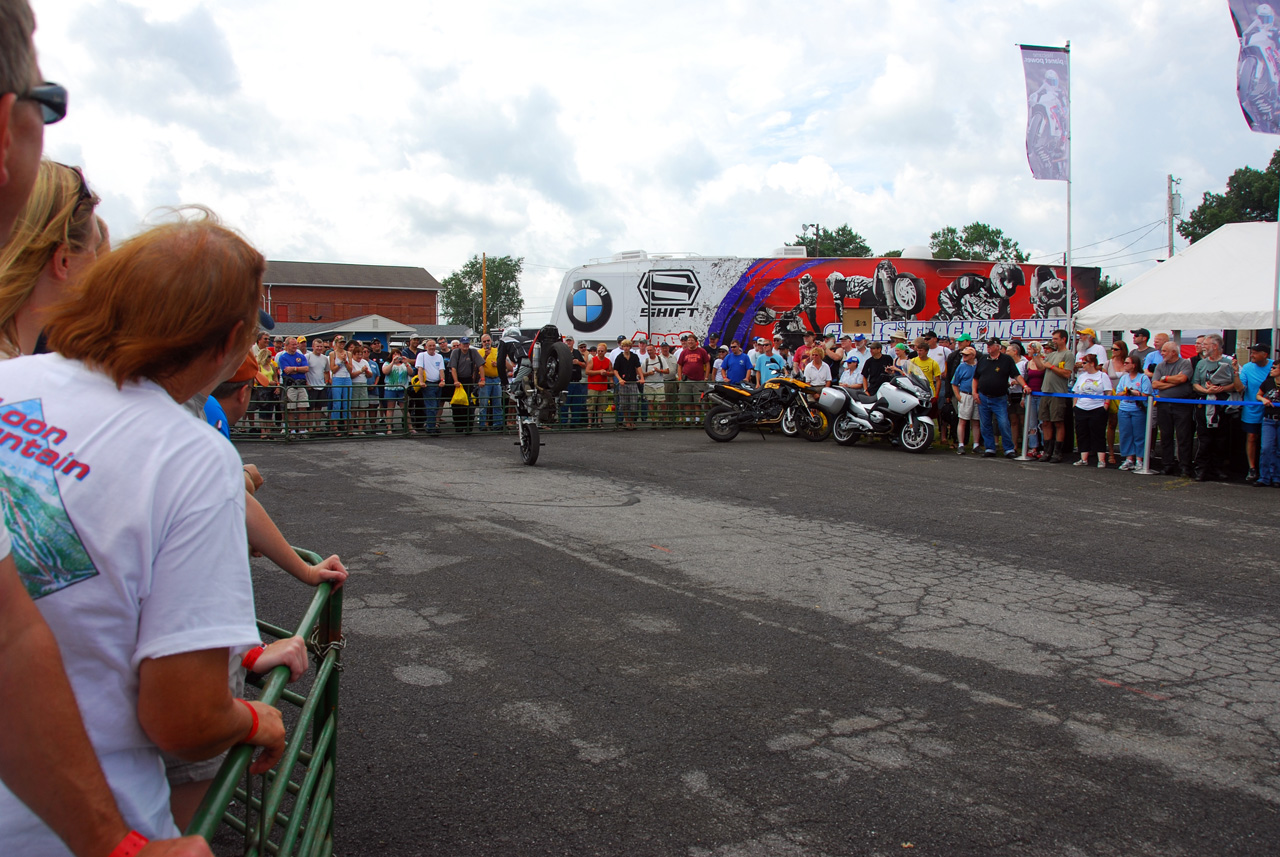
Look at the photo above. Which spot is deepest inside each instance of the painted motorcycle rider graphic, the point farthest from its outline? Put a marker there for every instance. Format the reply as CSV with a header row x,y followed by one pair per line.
x,y
973,296
1257,70
892,296
808,301
1049,295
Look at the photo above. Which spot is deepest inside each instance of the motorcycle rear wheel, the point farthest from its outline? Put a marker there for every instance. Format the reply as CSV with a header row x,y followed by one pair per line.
x,y
844,432
815,428
529,445
720,424
916,436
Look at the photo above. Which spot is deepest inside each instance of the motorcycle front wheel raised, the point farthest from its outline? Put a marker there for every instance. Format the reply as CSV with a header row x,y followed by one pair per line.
x,y
815,428
916,436
844,432
529,445
720,424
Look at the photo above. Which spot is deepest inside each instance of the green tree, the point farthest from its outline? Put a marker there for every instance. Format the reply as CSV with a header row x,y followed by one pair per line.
x,y
843,241
977,241
1251,195
460,297
1106,285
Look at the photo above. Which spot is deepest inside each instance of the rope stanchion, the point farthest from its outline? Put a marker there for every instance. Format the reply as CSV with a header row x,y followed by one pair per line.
x,y
1146,439
1026,428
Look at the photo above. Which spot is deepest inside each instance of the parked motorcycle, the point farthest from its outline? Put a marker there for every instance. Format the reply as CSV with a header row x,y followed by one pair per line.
x,y
899,408
784,402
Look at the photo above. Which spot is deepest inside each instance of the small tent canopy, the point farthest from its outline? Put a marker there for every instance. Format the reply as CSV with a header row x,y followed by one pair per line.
x,y
1224,281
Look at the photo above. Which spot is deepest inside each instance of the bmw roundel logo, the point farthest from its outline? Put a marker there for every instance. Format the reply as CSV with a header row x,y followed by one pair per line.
x,y
589,306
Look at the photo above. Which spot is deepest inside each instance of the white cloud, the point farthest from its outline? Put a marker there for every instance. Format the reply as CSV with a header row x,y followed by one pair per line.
x,y
408,133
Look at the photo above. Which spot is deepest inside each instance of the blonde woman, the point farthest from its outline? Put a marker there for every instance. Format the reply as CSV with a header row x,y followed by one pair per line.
x,y
267,397
56,238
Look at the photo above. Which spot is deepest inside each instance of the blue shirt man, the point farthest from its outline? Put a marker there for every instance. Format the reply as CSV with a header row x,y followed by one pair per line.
x,y
769,366
1253,374
736,365
963,378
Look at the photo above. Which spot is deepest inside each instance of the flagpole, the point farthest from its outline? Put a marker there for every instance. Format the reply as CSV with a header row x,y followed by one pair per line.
x,y
1070,293
1275,302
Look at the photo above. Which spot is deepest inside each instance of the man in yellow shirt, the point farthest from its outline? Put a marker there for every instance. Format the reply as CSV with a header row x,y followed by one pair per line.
x,y
490,389
925,366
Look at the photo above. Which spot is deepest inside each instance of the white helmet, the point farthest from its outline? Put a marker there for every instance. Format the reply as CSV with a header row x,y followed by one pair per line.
x,y
1051,78
1266,14
511,334
1005,279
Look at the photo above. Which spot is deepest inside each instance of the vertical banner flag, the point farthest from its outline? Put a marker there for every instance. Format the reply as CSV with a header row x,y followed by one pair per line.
x,y
1258,68
1048,112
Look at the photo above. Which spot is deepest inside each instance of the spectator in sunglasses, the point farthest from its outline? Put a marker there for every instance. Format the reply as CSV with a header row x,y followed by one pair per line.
x,y
54,240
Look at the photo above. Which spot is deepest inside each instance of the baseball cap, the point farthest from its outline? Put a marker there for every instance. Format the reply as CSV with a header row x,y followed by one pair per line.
x,y
723,348
1142,331
1087,331
621,337
265,320
465,340
964,337
993,340
851,359
1258,346
930,333
859,338
248,371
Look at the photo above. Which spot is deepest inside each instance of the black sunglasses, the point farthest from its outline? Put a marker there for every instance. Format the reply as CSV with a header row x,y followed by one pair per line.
x,y
83,193
51,97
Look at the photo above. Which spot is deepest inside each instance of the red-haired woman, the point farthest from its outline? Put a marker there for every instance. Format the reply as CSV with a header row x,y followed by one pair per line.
x,y
129,515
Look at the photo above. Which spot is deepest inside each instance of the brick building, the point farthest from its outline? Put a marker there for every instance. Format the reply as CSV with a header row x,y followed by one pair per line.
x,y
323,293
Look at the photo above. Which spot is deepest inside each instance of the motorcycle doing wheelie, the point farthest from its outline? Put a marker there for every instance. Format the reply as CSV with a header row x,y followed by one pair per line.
x,y
1258,73
899,409
781,401
541,377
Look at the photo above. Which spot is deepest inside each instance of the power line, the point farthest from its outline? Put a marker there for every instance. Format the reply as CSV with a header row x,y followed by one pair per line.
x,y
1058,254
1127,246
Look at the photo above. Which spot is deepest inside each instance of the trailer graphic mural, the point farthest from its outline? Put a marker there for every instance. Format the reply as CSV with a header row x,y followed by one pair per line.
x,y
663,297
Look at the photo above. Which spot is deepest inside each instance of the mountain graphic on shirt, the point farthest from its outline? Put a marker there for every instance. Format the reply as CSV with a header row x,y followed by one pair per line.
x,y
46,547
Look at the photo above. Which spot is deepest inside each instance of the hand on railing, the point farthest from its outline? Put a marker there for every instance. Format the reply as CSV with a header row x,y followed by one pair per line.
x,y
291,652
330,569
187,846
267,733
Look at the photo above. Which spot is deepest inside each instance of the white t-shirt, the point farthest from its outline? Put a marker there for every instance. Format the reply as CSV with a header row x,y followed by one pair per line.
x,y
940,353
132,539
317,365
357,367
818,375
1094,384
1096,350
433,364
852,376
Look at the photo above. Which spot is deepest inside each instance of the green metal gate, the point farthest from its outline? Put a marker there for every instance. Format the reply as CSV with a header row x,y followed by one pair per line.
x,y
289,810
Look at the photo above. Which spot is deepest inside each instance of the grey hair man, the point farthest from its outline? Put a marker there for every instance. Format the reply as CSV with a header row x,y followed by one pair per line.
x,y
1171,379
1216,378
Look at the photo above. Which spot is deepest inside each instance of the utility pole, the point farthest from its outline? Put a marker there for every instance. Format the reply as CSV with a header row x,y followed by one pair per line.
x,y
1173,208
484,295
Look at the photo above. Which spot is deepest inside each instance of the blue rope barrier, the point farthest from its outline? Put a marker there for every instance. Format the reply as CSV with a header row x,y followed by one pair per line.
x,y
1158,399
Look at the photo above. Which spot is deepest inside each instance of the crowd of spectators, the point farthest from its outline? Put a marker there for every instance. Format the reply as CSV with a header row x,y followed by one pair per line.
x,y
126,604
981,390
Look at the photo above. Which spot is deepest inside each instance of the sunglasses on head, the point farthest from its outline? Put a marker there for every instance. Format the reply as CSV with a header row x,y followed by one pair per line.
x,y
52,99
82,193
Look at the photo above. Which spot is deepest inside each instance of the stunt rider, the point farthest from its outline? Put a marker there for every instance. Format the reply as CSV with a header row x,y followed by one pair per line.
x,y
523,387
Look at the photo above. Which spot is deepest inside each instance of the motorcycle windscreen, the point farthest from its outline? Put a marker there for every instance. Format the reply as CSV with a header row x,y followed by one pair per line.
x,y
1047,72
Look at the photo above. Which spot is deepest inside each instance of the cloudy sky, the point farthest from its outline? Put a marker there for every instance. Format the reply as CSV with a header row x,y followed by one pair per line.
x,y
412,133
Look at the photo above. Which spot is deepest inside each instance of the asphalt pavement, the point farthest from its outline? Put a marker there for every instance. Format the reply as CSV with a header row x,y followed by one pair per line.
x,y
653,644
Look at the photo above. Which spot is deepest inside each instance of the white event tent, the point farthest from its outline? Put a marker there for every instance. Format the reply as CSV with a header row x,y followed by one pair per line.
x,y
1224,281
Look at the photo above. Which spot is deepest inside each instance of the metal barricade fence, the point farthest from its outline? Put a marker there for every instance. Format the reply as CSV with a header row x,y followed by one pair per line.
x,y
289,810
312,414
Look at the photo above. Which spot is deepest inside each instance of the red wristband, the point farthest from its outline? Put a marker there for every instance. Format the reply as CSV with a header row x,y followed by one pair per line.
x,y
130,845
251,657
253,712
